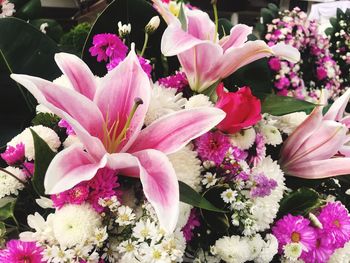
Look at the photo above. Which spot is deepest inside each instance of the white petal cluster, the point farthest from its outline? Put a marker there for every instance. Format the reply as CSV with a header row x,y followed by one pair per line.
x,y
184,214
7,9
187,166
198,101
289,122
271,134
163,101
243,139
268,251
234,249
341,255
10,185
264,209
25,137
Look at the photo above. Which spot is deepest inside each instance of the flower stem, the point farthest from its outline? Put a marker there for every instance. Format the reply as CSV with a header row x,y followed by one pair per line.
x,y
14,176
216,17
144,44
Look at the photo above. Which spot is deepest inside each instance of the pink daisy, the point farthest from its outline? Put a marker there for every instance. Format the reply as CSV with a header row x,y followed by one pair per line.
x,y
17,251
213,146
321,253
295,229
335,219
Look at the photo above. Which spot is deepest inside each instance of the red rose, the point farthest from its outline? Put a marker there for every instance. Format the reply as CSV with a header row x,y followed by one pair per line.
x,y
242,109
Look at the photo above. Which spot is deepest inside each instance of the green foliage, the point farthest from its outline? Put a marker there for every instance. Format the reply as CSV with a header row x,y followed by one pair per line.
x,y
281,105
191,197
300,202
30,10
7,205
43,157
73,41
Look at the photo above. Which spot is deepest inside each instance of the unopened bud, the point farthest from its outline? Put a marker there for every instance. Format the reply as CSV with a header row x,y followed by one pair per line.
x,y
314,220
123,30
152,25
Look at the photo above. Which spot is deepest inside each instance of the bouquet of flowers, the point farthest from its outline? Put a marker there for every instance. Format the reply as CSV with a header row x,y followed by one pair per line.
x,y
317,68
340,43
126,168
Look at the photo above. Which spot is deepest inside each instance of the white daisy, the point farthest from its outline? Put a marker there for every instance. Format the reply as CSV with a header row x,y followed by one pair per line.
x,y
125,216
229,196
292,251
209,180
144,230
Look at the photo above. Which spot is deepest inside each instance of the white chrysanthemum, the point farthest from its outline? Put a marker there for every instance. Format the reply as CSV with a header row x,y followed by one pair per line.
x,y
197,101
187,166
7,9
184,214
232,249
243,139
341,255
10,185
75,224
256,244
163,101
25,137
271,135
292,251
269,250
289,122
264,209
70,140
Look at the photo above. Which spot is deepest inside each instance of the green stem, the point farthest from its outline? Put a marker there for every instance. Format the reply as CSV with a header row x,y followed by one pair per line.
x,y
14,176
144,44
216,17
27,101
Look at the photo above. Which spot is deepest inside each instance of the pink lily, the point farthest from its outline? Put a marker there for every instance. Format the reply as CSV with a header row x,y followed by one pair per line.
x,y
107,116
204,58
317,148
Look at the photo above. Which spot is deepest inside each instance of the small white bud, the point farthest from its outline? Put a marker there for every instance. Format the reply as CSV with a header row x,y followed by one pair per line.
x,y
153,24
123,30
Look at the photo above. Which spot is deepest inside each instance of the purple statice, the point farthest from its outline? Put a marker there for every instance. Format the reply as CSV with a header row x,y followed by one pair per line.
x,y
177,81
295,229
262,186
14,155
64,124
212,146
108,47
18,251
192,223
335,220
238,154
258,151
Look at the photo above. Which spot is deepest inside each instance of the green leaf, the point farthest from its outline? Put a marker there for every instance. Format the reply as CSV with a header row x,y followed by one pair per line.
x,y
43,157
329,31
281,105
136,12
31,10
333,21
224,27
340,13
182,18
7,205
53,30
191,197
300,202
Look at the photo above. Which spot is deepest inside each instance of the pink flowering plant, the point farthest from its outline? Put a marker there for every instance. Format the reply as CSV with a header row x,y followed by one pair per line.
x,y
317,68
128,162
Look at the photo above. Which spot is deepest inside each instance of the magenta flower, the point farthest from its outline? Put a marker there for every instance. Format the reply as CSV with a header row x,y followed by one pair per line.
x,y
14,155
213,146
204,58
17,251
275,64
108,46
322,251
192,223
335,220
321,73
177,81
317,148
107,117
65,124
28,169
295,229
78,194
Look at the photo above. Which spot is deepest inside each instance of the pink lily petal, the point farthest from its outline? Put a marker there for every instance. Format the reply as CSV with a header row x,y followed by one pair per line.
x,y
173,131
117,94
125,163
321,168
70,167
323,144
298,137
238,36
336,111
175,40
345,150
286,52
80,112
165,13
346,121
78,74
160,186
200,26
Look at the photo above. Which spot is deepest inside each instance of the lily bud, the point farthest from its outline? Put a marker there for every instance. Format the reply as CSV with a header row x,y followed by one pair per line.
x,y
123,30
152,25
